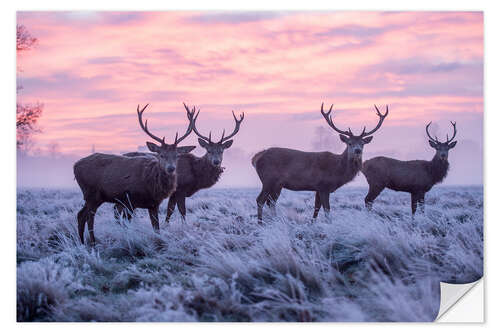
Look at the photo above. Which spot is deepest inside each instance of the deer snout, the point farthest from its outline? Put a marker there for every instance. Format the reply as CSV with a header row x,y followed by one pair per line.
x,y
357,151
216,162
170,169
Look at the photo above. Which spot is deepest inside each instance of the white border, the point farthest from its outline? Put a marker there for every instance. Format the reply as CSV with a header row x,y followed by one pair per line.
x,y
492,109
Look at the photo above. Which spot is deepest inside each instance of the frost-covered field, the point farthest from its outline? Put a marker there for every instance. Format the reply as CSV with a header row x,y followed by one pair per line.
x,y
222,266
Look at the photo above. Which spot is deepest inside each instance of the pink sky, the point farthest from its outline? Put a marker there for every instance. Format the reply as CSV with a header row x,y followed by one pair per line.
x,y
91,69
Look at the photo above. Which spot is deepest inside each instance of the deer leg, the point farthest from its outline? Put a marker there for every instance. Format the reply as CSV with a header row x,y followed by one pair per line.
x,y
421,203
82,218
181,205
261,199
271,204
272,199
373,193
90,222
171,207
317,205
413,203
269,201
324,197
153,216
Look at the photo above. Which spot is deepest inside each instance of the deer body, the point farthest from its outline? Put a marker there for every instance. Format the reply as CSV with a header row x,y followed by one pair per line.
x,y
196,173
135,182
405,176
305,171
322,172
193,174
415,177
114,178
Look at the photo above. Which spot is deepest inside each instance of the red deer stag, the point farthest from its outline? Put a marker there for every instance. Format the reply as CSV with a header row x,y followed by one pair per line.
x,y
195,173
322,172
416,177
137,182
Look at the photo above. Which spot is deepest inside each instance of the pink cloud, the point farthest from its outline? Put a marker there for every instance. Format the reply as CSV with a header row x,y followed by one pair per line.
x,y
91,69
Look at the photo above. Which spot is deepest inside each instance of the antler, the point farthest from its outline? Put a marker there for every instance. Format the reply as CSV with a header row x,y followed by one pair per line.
x,y
328,119
190,115
144,125
380,121
236,128
447,140
427,131
454,132
209,139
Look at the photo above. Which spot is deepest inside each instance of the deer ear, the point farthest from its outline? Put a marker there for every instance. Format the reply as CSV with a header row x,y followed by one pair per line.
x,y
452,145
202,143
343,138
368,139
152,147
185,149
432,144
227,144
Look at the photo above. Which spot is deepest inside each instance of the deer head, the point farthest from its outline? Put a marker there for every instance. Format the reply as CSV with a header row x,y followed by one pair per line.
x,y
167,154
355,143
215,150
442,148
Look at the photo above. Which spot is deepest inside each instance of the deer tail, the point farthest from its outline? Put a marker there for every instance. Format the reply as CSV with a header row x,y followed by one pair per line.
x,y
256,157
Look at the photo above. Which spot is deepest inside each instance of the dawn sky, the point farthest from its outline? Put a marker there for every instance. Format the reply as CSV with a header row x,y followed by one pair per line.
x,y
91,69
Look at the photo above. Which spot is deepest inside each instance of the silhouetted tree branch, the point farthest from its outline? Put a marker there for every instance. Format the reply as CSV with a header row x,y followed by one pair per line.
x,y
24,40
27,115
26,118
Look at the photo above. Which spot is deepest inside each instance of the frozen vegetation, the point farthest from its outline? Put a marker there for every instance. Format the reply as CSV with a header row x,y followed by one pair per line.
x,y
220,265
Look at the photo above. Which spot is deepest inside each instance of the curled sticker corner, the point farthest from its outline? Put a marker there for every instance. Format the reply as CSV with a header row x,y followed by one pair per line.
x,y
451,295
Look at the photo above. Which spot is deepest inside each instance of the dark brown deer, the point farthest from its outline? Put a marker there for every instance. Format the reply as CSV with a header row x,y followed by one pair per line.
x,y
195,173
415,177
135,182
322,172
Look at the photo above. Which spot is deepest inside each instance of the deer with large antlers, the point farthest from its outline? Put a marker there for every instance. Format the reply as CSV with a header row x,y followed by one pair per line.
x,y
132,182
415,177
321,172
195,173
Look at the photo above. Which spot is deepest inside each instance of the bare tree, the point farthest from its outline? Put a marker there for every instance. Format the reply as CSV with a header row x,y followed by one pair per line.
x,y
54,149
27,115
323,140
24,40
